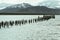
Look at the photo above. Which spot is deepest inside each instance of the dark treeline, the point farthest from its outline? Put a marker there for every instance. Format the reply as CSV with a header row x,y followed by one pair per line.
x,y
21,22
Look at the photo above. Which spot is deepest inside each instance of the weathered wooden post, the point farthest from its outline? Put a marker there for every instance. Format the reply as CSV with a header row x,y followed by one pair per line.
x,y
11,23
6,24
30,21
2,24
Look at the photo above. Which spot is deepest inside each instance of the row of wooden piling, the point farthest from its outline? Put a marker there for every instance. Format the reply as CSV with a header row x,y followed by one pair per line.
x,y
20,22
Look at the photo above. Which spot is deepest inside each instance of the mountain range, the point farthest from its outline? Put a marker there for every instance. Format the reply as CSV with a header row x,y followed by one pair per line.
x,y
27,8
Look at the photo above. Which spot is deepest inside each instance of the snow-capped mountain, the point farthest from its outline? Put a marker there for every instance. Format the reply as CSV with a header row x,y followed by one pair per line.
x,y
27,8
22,5
16,7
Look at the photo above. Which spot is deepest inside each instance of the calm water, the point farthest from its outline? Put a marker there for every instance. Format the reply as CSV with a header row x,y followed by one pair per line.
x,y
43,30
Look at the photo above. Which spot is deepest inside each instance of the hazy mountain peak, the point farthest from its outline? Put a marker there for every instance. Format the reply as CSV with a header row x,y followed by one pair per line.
x,y
25,5
22,5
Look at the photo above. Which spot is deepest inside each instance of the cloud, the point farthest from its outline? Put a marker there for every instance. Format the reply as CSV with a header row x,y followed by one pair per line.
x,y
33,2
51,3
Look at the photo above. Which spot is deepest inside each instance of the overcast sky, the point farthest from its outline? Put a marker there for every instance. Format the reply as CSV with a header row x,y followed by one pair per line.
x,y
33,2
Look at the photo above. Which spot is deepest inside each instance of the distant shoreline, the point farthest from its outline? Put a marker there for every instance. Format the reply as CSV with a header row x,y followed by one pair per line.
x,y
29,14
